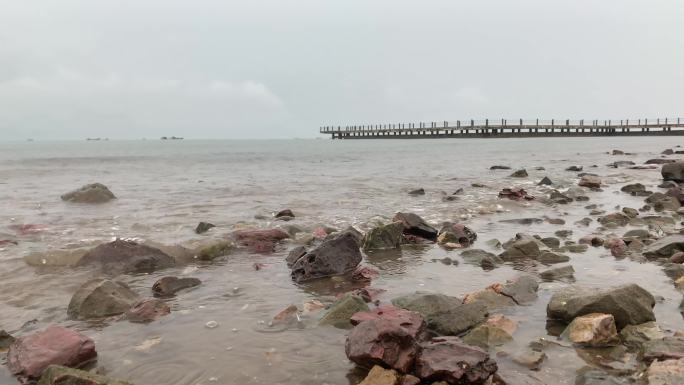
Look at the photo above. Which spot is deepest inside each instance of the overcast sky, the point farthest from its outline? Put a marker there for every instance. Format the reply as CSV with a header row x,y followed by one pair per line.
x,y
282,68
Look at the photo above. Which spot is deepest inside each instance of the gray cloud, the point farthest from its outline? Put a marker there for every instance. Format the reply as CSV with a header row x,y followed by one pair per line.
x,y
274,68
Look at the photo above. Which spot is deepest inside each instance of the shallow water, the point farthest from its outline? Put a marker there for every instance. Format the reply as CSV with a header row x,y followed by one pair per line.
x,y
165,188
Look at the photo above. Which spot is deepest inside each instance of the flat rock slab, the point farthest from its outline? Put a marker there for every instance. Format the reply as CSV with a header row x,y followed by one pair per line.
x,y
101,298
665,247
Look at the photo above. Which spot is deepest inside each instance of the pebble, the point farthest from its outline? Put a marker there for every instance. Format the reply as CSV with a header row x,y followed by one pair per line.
x,y
211,324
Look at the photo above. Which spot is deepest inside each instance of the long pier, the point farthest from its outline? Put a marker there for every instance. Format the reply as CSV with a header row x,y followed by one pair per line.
x,y
506,128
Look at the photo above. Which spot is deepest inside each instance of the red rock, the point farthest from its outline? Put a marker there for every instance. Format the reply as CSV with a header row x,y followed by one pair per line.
x,y
30,355
382,342
449,359
677,257
618,247
147,310
365,273
515,194
320,233
261,240
411,321
6,242
28,229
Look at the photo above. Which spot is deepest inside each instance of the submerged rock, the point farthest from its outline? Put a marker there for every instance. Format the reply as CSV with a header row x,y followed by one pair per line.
x,y
448,359
127,257
5,340
550,258
62,375
520,174
384,237
574,168
590,181
669,372
203,227
482,258
169,286
101,298
341,312
415,225
614,219
90,193
417,192
523,248
444,314
334,256
285,215
260,240
487,336
147,310
558,273
593,330
515,193
30,355
545,182
668,348
629,304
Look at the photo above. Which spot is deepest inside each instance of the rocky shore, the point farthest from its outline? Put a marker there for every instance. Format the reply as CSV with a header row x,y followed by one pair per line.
x,y
418,337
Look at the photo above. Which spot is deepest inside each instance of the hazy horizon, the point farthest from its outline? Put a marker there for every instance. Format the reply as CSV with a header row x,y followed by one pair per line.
x,y
264,69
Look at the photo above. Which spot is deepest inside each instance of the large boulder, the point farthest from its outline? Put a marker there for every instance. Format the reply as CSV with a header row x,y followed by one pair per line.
x,y
665,247
341,312
62,375
673,171
415,225
335,256
100,298
382,342
30,355
448,359
384,237
90,193
124,256
629,304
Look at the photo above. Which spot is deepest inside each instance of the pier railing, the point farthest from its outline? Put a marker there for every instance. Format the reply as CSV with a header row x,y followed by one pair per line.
x,y
509,127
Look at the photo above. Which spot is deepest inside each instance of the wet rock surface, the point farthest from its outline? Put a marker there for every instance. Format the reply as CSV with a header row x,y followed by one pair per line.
x,y
62,375
415,225
169,286
90,193
335,256
127,257
30,355
101,298
449,359
628,304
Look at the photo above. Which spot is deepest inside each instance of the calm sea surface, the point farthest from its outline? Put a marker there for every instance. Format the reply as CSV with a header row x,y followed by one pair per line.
x,y
165,188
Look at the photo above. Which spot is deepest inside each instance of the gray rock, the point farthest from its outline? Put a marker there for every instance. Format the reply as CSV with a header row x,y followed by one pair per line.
x,y
203,227
523,248
90,193
444,314
665,247
481,258
673,171
550,258
634,336
551,242
629,304
558,273
545,182
335,256
101,298
384,237
169,286
520,174
668,348
340,312
294,255
127,257
415,225
5,340
522,290
591,376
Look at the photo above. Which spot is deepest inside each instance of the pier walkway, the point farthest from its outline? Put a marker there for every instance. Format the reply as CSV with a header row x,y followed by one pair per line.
x,y
506,128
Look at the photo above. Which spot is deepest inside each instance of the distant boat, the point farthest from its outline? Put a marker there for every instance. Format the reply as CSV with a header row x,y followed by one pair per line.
x,y
89,139
171,138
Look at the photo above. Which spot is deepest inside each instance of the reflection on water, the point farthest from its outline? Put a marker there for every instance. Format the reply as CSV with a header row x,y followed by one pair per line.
x,y
165,189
